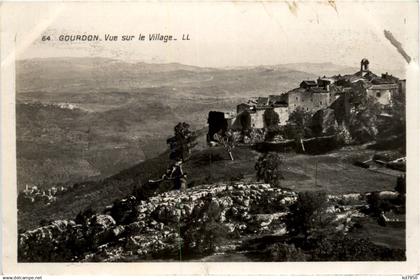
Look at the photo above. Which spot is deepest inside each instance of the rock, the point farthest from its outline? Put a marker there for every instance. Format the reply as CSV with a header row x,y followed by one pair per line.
x,y
102,222
118,230
135,227
388,195
324,122
155,229
246,202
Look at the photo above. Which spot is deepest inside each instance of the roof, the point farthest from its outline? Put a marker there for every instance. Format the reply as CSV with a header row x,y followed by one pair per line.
x,y
329,79
364,61
262,101
317,90
229,115
383,86
309,83
275,97
296,90
284,105
378,81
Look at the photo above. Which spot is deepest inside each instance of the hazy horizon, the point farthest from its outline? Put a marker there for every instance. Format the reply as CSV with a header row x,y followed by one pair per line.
x,y
222,34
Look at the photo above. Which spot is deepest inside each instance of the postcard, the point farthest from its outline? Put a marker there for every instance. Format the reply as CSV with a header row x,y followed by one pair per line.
x,y
207,138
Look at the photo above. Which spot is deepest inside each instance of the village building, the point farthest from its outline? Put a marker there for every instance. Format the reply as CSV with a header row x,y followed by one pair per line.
x,y
380,88
382,92
255,112
311,96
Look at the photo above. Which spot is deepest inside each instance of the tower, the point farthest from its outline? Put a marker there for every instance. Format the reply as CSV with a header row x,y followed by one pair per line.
x,y
364,66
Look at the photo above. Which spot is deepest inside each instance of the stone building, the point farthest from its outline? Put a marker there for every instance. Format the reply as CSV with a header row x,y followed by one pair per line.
x,y
255,117
309,99
382,92
255,112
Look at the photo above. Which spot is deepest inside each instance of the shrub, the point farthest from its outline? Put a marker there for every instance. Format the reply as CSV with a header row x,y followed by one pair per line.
x,y
271,118
307,215
268,167
83,217
298,125
283,252
124,211
401,185
203,232
344,248
245,120
182,142
377,205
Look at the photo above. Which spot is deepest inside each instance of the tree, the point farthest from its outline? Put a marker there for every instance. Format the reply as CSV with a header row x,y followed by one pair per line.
x,y
271,120
181,144
268,168
307,216
392,130
203,231
245,120
363,122
298,125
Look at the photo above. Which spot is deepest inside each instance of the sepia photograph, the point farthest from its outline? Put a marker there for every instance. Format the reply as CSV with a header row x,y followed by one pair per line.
x,y
254,132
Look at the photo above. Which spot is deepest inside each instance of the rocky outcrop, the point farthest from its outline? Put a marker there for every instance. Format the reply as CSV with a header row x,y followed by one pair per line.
x,y
147,229
173,225
324,122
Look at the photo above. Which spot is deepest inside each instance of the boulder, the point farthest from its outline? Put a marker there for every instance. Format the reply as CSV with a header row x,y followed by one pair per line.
x,y
102,222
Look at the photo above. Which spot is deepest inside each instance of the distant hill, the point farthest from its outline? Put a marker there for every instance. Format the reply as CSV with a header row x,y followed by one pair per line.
x,y
321,69
95,73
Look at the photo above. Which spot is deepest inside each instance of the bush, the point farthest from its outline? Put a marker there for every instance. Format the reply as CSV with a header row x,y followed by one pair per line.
x,y
283,252
344,248
272,132
83,217
401,185
124,211
268,168
298,125
203,232
245,120
182,143
377,205
363,122
269,202
271,118
307,216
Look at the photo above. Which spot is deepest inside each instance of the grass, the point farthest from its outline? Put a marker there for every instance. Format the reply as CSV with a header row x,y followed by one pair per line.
x,y
389,236
334,173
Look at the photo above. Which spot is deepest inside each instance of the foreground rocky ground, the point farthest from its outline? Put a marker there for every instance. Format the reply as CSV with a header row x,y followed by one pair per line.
x,y
253,219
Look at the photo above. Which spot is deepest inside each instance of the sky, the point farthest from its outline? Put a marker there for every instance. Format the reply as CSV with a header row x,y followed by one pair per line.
x,y
222,34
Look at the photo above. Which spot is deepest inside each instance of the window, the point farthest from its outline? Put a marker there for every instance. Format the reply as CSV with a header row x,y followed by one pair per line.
x,y
297,98
378,94
320,102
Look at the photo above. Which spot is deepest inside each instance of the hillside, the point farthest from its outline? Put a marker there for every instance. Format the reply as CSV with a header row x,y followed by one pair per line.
x,y
333,172
88,118
223,216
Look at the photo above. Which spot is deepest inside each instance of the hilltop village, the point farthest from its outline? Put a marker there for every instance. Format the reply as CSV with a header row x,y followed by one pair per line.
x,y
311,96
